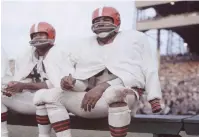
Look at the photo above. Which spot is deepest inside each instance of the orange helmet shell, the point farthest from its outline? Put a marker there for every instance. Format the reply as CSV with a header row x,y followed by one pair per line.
x,y
107,12
43,27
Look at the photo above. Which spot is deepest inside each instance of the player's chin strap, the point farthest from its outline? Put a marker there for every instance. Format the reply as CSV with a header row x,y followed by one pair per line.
x,y
41,42
105,28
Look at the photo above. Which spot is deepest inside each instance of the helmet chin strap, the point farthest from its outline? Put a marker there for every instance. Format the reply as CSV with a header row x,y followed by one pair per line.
x,y
105,37
105,34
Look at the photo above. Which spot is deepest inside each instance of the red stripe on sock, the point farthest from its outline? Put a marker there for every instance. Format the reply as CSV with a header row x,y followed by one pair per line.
x,y
4,116
118,135
62,129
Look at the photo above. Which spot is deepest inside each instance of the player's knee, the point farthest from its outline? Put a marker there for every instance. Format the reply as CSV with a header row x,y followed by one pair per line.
x,y
53,95
114,95
132,102
118,104
3,108
38,97
45,96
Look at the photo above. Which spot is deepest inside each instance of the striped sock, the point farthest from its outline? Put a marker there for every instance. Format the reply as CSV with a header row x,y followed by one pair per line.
x,y
43,121
60,120
61,125
4,115
119,119
155,105
118,131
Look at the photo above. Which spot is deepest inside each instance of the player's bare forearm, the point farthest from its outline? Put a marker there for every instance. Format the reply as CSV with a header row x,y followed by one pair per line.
x,y
35,86
93,95
103,86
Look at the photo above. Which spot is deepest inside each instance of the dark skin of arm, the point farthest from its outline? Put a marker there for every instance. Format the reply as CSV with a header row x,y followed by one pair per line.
x,y
15,86
91,97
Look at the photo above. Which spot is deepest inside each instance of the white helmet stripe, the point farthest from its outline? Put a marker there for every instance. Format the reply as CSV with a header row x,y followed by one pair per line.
x,y
100,11
36,27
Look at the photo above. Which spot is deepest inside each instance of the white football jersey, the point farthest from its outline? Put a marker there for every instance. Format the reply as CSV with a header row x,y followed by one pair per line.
x,y
129,57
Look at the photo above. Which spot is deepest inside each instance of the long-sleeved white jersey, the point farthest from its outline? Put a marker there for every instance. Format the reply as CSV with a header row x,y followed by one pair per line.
x,y
129,57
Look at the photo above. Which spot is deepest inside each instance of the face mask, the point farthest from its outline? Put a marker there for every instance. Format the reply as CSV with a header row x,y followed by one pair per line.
x,y
106,34
41,42
107,27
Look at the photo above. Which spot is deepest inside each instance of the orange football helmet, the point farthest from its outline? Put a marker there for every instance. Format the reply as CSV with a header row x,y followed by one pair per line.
x,y
42,27
107,12
104,29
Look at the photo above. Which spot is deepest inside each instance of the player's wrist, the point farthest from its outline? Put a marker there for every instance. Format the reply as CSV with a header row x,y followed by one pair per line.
x,y
24,85
103,86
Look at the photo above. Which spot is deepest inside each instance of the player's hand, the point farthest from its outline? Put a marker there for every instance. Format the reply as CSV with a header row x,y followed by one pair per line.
x,y
4,92
67,82
15,87
92,96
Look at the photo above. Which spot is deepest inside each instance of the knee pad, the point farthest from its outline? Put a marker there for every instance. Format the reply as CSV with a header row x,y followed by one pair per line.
x,y
44,96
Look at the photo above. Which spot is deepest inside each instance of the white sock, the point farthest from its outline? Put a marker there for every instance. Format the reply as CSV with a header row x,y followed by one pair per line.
x,y
119,118
60,120
4,113
4,130
43,122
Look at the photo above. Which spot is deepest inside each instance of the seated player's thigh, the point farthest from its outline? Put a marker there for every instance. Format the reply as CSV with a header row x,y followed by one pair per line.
x,y
72,100
20,102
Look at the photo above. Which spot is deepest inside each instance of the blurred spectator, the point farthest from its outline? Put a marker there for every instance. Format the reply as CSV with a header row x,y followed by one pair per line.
x,y
180,86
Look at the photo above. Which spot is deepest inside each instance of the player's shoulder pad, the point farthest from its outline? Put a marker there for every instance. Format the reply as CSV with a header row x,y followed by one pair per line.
x,y
133,34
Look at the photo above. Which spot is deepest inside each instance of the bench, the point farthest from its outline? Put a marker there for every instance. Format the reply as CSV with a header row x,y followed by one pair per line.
x,y
158,125
191,125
